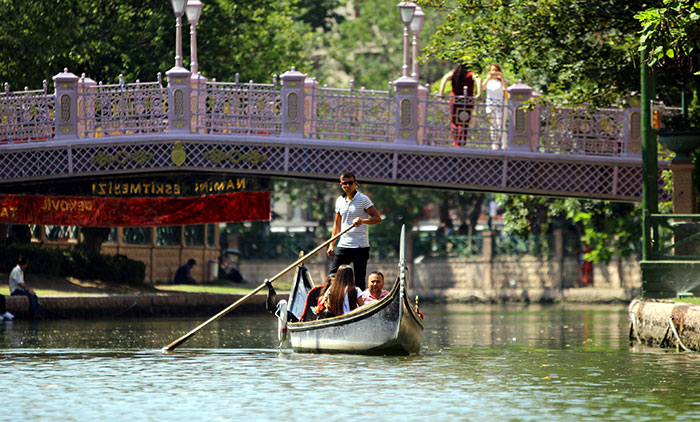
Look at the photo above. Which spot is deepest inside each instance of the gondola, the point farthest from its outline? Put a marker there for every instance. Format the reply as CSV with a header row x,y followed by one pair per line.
x,y
392,325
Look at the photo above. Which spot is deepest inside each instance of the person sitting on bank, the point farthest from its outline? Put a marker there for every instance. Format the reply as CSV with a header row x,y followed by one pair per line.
x,y
19,288
375,291
183,275
336,300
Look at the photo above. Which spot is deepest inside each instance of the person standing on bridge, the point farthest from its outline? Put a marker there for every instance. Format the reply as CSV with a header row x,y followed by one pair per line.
x,y
461,103
352,208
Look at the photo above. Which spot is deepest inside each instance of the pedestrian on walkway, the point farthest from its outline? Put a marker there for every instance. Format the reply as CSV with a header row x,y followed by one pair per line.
x,y
19,288
352,208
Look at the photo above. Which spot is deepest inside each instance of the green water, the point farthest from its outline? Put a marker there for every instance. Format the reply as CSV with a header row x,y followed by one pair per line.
x,y
560,363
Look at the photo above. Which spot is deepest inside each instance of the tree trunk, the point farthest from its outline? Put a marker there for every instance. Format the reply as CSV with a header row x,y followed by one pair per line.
x,y
93,238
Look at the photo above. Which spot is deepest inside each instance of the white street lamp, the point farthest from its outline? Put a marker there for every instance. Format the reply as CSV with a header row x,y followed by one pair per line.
x,y
193,10
416,26
406,9
179,9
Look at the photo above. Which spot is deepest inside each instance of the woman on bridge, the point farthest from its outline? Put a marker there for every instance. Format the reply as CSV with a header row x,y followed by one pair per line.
x,y
461,105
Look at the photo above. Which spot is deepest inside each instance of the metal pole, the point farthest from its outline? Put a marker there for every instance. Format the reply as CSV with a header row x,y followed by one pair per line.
x,y
406,63
178,41
650,183
194,66
414,73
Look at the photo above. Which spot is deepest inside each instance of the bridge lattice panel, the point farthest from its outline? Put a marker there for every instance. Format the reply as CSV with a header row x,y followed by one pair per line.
x,y
461,170
368,165
42,163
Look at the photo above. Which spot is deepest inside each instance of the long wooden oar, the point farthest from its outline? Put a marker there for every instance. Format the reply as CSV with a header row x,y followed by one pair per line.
x,y
233,306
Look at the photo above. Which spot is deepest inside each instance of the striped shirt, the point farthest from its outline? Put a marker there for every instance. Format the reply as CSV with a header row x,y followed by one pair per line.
x,y
348,211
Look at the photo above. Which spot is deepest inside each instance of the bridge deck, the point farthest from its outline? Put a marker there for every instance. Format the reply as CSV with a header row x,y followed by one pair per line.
x,y
404,136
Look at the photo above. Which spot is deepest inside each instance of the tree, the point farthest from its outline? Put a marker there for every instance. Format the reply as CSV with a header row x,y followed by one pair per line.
x,y
368,47
569,51
105,38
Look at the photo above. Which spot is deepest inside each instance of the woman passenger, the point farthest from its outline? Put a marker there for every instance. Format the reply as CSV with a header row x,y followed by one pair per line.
x,y
343,296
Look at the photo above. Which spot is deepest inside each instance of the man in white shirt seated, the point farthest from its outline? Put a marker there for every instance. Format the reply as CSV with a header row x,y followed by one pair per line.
x,y
375,290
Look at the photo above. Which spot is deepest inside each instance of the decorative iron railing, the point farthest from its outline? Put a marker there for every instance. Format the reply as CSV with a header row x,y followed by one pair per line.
x,y
351,114
121,109
297,108
463,121
236,108
26,116
581,130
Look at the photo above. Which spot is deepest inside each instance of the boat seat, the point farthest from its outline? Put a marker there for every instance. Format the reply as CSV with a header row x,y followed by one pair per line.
x,y
311,301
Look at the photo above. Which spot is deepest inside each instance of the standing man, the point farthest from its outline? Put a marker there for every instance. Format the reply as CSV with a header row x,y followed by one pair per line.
x,y
19,288
352,208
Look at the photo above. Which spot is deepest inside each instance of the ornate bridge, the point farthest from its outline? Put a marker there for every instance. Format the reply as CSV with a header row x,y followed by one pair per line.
x,y
295,128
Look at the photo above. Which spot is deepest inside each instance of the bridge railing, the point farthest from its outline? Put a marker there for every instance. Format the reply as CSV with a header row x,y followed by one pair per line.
x,y
236,108
298,108
350,114
463,121
26,116
582,130
121,109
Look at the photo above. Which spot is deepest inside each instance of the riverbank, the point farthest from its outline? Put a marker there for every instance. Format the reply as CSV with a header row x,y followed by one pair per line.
x,y
70,298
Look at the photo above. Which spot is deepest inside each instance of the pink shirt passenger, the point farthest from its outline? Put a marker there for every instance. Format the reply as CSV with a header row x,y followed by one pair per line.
x,y
367,296
374,291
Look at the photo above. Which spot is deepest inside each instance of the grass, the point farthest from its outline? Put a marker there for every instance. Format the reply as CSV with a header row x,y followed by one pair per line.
x,y
219,288
689,300
61,293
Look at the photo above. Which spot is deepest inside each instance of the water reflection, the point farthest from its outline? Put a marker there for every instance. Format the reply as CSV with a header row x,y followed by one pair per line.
x,y
477,362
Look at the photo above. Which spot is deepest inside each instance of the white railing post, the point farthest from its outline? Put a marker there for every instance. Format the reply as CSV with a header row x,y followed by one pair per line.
x,y
179,100
66,120
86,107
293,83
632,129
422,112
406,97
199,102
310,85
523,125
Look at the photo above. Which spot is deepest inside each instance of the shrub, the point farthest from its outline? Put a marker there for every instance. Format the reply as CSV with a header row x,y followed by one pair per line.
x,y
74,263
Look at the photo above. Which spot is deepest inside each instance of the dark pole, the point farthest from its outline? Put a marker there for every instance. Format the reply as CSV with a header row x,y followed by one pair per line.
x,y
650,182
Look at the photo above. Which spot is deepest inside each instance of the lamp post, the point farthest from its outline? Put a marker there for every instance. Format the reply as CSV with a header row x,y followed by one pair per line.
x,y
416,26
193,10
406,10
179,9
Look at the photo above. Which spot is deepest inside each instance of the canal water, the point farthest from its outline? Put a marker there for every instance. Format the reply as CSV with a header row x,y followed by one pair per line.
x,y
478,362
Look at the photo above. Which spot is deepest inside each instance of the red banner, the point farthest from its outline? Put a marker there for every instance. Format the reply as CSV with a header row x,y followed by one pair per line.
x,y
87,211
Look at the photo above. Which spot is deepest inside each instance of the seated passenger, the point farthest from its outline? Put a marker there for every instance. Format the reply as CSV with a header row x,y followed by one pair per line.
x,y
342,296
374,292
314,300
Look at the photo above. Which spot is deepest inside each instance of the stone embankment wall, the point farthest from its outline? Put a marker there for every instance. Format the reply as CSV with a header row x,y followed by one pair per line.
x,y
525,279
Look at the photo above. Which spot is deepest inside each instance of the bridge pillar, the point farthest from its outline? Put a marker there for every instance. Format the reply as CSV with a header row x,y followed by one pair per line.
x,y
523,126
179,100
66,121
293,83
406,110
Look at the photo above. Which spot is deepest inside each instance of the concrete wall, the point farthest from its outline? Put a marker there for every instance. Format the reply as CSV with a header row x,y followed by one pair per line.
x,y
464,278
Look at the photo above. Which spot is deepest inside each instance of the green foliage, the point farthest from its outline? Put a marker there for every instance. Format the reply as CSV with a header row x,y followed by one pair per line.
x,y
105,38
73,263
608,229
572,51
671,33
368,48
